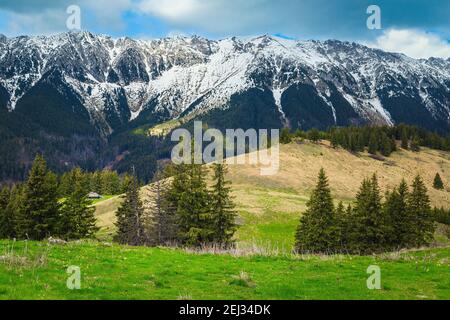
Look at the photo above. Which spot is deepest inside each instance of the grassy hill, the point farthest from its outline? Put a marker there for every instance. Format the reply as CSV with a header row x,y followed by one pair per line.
x,y
270,206
262,266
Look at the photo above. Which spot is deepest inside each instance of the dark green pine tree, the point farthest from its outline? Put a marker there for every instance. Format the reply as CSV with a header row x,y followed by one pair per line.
x,y
222,206
316,232
14,209
161,223
415,144
386,145
405,139
95,184
6,218
194,208
420,213
314,135
437,183
77,219
373,143
65,186
334,138
286,136
39,211
368,232
398,228
341,225
130,217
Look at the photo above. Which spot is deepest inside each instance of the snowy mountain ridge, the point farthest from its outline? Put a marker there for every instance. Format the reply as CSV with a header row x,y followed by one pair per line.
x,y
331,82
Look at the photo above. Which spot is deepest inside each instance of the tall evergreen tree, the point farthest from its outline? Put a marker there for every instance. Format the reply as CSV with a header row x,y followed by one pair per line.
x,y
405,139
96,183
77,219
316,232
6,217
373,144
130,218
314,135
437,183
110,182
415,144
420,212
341,223
14,209
40,207
162,223
194,210
222,206
397,216
385,145
286,136
334,139
368,230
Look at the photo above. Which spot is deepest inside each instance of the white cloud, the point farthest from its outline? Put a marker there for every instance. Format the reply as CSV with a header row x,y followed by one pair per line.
x,y
46,22
413,43
221,16
52,19
175,10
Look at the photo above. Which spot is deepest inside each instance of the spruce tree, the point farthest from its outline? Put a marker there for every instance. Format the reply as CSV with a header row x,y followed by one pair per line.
x,y
222,207
405,139
285,137
96,183
386,145
14,209
437,183
6,217
368,235
65,186
194,210
419,210
341,227
398,226
40,206
314,135
77,219
334,139
415,144
373,144
110,182
130,217
316,232
162,223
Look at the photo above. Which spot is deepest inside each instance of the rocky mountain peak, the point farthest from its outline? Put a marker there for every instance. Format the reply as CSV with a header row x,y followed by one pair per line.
x,y
341,82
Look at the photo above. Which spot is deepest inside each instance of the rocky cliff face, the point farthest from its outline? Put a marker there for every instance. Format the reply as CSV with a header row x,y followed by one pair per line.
x,y
110,82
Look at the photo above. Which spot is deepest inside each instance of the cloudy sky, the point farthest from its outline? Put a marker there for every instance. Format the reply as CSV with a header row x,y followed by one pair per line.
x,y
419,28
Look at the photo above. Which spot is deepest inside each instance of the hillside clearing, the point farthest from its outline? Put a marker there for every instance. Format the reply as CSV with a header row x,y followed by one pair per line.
x,y
269,206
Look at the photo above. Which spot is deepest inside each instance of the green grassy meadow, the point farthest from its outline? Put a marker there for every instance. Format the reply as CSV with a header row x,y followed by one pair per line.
x,y
38,271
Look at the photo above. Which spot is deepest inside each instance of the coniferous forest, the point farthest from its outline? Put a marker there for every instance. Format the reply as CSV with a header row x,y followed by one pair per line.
x,y
369,225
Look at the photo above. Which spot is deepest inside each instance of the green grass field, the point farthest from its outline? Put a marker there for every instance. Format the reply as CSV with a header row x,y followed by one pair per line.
x,y
38,271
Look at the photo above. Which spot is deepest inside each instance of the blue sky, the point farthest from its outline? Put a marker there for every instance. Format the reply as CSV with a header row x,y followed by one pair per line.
x,y
416,27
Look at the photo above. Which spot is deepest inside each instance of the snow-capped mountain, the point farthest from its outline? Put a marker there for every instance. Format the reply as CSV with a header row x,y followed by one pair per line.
x,y
110,82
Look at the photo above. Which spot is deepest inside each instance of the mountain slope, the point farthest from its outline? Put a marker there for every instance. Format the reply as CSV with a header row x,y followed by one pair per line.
x,y
270,206
79,98
312,83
